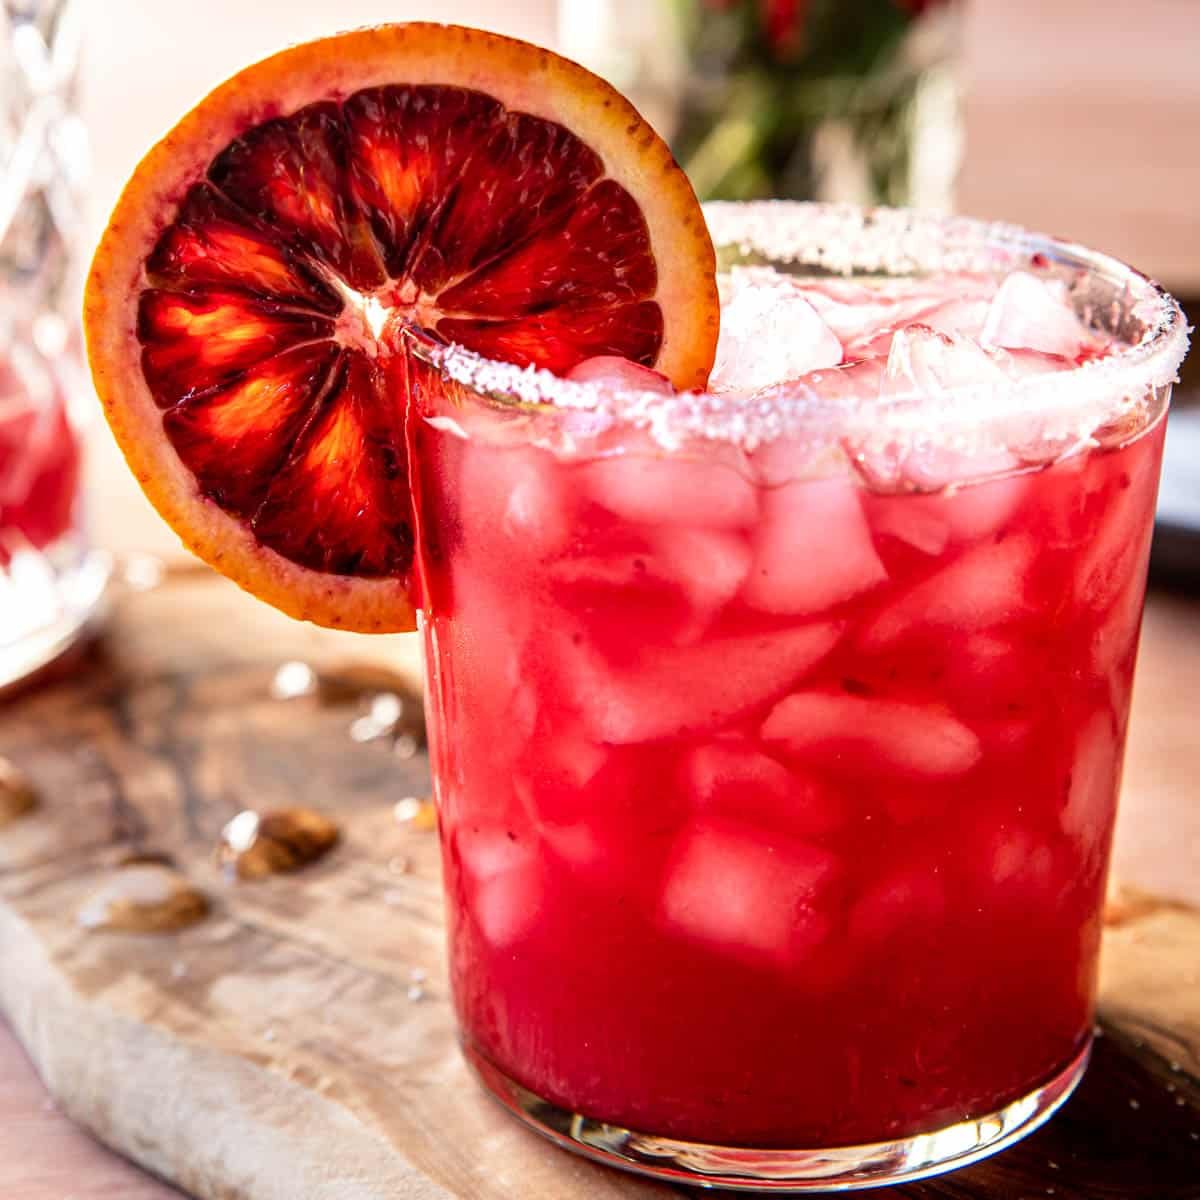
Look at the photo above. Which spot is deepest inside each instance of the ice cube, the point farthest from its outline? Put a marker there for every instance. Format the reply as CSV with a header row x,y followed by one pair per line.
x,y
769,333
1029,313
926,362
488,638
959,318
709,567
671,690
987,675
861,314
620,372
517,491
732,777
671,491
1118,535
812,549
748,894
871,735
1087,813
1019,861
1114,643
505,879
919,521
963,316
696,571
900,907
987,586
981,509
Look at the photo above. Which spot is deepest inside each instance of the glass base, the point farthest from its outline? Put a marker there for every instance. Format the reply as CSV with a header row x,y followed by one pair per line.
x,y
837,1169
49,599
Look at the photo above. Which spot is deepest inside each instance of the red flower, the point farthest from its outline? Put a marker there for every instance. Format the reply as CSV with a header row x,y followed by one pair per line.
x,y
784,24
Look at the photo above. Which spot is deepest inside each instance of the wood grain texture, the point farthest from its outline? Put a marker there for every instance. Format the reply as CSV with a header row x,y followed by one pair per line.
x,y
273,1050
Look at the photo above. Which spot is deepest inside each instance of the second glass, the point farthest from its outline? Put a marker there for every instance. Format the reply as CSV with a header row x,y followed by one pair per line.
x,y
776,795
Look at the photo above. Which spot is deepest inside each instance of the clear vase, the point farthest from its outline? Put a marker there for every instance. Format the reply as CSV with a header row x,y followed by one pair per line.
x,y
50,583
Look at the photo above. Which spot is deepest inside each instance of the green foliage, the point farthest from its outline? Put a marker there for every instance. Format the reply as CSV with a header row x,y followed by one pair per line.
x,y
752,108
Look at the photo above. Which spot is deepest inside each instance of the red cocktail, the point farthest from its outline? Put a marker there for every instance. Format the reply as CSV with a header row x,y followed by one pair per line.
x,y
777,733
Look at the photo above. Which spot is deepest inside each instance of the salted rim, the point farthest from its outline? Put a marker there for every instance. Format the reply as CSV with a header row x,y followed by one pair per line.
x,y
844,240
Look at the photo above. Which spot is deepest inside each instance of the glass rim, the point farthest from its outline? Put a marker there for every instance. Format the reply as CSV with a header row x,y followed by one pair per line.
x,y
848,240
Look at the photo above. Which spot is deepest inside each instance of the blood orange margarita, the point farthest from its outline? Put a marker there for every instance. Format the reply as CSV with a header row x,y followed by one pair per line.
x,y
776,728
777,731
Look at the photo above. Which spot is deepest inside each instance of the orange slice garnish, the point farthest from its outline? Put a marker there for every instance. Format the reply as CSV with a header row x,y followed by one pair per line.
x,y
254,279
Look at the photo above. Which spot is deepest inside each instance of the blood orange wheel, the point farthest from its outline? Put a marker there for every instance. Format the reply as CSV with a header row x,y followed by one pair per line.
x,y
250,289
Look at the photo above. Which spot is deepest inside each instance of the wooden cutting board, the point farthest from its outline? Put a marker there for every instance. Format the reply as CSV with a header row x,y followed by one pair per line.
x,y
297,1043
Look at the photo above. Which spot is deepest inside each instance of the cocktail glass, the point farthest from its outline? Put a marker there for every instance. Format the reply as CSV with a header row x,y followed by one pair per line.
x,y
776,739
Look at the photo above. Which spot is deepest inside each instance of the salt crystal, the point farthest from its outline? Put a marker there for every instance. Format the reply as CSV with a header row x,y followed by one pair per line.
x,y
1067,404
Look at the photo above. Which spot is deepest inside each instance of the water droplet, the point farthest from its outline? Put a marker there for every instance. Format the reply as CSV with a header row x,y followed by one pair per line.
x,y
179,969
17,794
399,865
269,1035
415,992
292,680
1180,1101
421,814
1052,1165
242,831
417,975
386,709
406,746
142,572
144,898
363,729
1176,1066
1134,1104
256,844
384,712
406,809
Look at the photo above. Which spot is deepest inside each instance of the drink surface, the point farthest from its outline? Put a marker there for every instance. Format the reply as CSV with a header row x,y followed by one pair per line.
x,y
776,803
